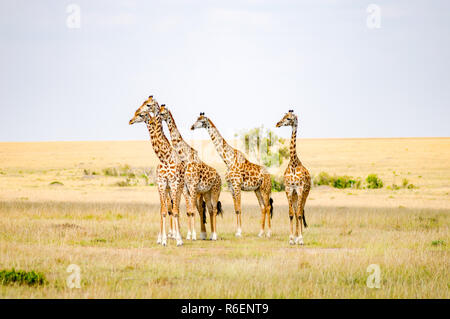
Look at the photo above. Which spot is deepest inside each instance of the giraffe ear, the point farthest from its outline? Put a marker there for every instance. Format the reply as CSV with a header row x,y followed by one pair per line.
x,y
291,111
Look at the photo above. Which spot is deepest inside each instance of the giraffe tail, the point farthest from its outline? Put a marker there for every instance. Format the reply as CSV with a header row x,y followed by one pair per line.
x,y
219,208
304,219
271,207
204,211
170,208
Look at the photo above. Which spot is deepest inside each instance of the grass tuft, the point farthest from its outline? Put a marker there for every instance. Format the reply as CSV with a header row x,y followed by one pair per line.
x,y
21,277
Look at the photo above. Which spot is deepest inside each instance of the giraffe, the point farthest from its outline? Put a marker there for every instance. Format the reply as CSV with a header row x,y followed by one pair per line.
x,y
242,175
170,178
190,204
297,181
200,179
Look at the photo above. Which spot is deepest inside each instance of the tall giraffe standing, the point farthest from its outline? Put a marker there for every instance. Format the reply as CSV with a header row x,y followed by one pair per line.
x,y
242,175
297,181
200,179
190,204
170,172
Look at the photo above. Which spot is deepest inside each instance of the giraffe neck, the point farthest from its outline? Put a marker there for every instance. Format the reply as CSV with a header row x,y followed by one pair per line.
x,y
226,152
185,151
293,147
160,143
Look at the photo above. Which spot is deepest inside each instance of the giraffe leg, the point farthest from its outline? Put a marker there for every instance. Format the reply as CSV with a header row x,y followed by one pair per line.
x,y
201,208
290,198
266,189
237,207
212,212
176,189
215,194
263,211
301,209
162,238
298,219
169,211
189,211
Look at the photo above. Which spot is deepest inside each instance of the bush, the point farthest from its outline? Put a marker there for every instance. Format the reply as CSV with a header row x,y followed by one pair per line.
x,y
323,179
374,182
21,277
56,183
127,182
337,181
110,171
438,243
345,182
277,184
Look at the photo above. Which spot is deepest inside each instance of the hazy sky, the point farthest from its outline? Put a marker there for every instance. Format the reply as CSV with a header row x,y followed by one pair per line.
x,y
244,63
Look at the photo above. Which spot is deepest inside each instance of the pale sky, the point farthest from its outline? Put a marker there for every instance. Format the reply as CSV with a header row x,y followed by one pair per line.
x,y
243,63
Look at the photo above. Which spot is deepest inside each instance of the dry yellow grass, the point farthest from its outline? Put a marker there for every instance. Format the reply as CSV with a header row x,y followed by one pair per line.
x,y
110,231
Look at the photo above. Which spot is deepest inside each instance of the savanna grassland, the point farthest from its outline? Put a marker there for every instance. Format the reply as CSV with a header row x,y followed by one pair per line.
x,y
94,204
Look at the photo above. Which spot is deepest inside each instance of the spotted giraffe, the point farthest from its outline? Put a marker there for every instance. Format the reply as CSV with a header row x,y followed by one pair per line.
x,y
170,172
297,182
190,204
242,175
200,179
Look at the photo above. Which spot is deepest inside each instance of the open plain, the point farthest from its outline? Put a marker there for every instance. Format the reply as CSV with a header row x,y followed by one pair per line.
x,y
94,204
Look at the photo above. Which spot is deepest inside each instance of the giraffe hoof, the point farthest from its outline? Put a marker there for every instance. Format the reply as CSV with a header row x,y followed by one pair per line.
x,y
164,243
299,240
268,234
261,234
203,236
213,236
188,236
194,236
238,235
179,243
291,242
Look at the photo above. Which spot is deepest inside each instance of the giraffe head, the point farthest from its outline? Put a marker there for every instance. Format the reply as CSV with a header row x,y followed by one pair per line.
x,y
164,112
290,119
143,112
202,122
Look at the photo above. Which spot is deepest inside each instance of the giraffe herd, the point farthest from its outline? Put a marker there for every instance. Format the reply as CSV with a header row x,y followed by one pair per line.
x,y
182,172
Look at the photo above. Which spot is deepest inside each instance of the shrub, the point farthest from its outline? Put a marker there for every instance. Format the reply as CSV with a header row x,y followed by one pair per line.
x,y
56,183
337,181
277,184
21,277
110,171
323,179
344,182
127,182
374,182
393,187
438,243
405,183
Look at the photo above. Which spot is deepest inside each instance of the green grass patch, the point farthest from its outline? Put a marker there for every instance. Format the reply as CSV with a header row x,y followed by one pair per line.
x,y
21,277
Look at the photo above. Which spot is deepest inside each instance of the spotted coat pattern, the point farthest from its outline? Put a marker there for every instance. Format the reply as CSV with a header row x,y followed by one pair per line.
x,y
201,180
242,175
297,181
